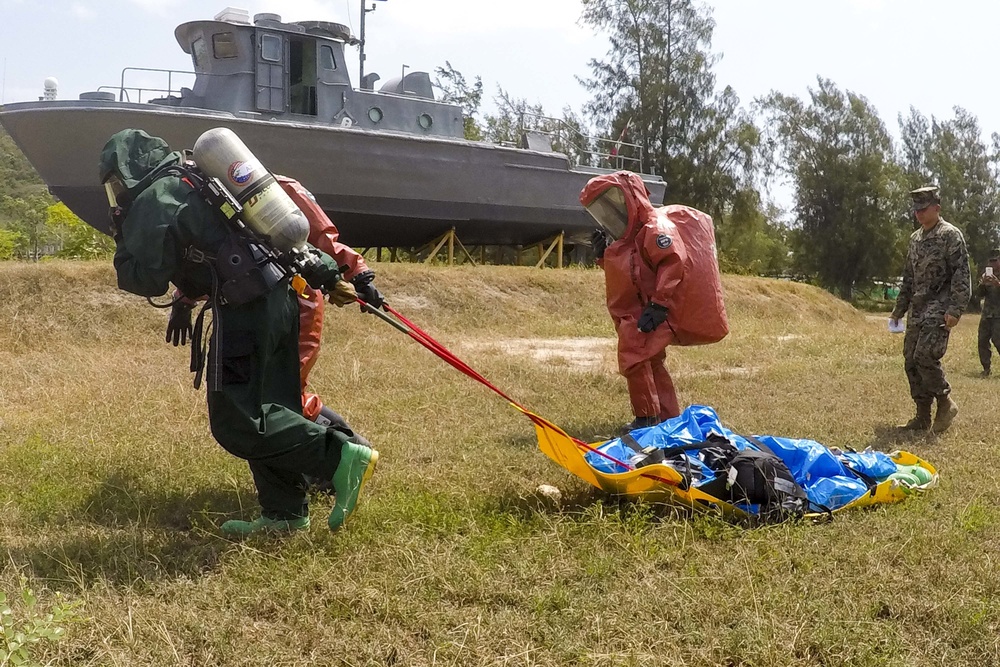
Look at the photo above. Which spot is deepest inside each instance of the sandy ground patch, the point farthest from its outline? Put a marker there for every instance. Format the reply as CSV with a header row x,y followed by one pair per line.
x,y
403,302
587,354
584,354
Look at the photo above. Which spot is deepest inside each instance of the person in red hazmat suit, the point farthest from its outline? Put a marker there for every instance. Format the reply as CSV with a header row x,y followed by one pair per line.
x,y
323,234
662,283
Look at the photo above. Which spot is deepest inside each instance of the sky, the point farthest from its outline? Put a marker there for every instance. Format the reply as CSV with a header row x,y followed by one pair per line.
x,y
897,53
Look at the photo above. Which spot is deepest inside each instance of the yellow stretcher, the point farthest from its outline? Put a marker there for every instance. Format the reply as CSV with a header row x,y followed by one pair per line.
x,y
661,483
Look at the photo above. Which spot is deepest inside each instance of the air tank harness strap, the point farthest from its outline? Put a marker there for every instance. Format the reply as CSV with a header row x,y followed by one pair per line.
x,y
199,344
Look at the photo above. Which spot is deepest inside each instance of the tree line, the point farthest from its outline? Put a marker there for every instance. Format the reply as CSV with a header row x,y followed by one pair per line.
x,y
849,218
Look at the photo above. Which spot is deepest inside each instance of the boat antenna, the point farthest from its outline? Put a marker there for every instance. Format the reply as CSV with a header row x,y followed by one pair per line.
x,y
361,43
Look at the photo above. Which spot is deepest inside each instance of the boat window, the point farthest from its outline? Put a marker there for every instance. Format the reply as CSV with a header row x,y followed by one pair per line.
x,y
326,59
270,48
425,121
375,114
224,45
199,53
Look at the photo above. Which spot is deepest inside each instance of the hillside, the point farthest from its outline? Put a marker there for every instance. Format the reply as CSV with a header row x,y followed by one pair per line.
x,y
113,488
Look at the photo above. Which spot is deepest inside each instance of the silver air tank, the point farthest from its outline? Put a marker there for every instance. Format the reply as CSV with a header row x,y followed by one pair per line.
x,y
267,209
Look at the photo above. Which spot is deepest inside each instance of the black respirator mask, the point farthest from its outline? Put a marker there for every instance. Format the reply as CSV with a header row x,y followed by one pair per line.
x,y
118,203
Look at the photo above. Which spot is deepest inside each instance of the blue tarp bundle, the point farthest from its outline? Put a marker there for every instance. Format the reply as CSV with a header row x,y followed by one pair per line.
x,y
823,474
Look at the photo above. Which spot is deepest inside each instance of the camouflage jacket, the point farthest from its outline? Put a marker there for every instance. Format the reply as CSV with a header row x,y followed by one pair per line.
x,y
936,278
990,295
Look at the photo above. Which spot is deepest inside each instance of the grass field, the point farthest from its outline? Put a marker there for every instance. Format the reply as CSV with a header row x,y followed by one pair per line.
x,y
111,490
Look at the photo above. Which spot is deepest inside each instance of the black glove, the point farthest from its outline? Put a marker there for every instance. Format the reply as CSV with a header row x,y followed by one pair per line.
x,y
600,241
179,324
653,316
364,284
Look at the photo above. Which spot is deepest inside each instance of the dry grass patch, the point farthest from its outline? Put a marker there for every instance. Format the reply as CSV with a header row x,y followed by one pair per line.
x,y
113,490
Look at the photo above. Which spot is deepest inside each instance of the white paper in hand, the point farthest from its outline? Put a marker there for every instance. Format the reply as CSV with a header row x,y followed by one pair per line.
x,y
897,326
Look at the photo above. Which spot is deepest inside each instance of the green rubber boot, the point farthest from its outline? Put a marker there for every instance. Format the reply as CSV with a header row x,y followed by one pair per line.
x,y
264,525
357,463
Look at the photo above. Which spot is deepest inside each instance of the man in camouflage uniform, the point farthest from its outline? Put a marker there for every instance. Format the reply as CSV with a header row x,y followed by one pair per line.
x,y
935,292
989,322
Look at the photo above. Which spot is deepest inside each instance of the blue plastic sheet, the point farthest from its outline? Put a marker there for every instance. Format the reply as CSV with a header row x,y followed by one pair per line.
x,y
826,479
873,464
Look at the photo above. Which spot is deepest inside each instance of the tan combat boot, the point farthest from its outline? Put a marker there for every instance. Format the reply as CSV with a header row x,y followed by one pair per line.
x,y
946,411
922,421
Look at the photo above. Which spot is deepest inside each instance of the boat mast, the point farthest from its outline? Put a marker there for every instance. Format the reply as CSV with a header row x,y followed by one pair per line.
x,y
362,42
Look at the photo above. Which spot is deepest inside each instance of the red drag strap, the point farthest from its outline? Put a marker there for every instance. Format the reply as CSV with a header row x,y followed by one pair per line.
x,y
425,339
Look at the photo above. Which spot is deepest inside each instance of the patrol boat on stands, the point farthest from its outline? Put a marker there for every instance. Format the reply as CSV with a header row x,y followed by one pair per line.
x,y
391,167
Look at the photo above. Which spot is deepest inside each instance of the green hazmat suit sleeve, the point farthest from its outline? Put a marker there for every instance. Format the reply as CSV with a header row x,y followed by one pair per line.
x,y
149,252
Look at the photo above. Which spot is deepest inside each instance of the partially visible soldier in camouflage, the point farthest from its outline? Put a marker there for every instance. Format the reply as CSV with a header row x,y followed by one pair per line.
x,y
935,292
989,322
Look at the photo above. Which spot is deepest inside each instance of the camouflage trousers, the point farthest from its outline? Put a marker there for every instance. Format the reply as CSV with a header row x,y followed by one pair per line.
x,y
923,346
989,332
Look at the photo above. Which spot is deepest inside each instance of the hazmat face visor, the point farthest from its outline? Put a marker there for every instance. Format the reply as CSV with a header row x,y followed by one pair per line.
x,y
610,212
115,190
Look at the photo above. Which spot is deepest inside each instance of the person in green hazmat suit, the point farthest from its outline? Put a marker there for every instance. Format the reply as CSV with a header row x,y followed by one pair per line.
x,y
162,225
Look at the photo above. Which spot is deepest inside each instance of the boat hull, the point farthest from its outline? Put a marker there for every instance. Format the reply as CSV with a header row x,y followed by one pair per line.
x,y
380,188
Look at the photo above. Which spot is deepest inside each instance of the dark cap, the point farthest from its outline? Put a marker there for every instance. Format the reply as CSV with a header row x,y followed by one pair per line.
x,y
925,196
994,253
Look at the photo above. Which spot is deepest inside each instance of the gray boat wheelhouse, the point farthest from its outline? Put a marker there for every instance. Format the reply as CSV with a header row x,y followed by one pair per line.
x,y
297,72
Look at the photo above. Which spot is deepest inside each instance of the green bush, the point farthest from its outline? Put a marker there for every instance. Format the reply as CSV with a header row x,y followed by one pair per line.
x,y
23,636
9,242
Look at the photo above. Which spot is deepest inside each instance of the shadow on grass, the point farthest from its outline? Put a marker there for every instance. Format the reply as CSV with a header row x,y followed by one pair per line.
x,y
584,504
127,558
601,512
574,501
124,499
888,437
128,534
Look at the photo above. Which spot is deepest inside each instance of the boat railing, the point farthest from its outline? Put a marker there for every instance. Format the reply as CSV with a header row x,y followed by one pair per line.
x,y
124,91
584,148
